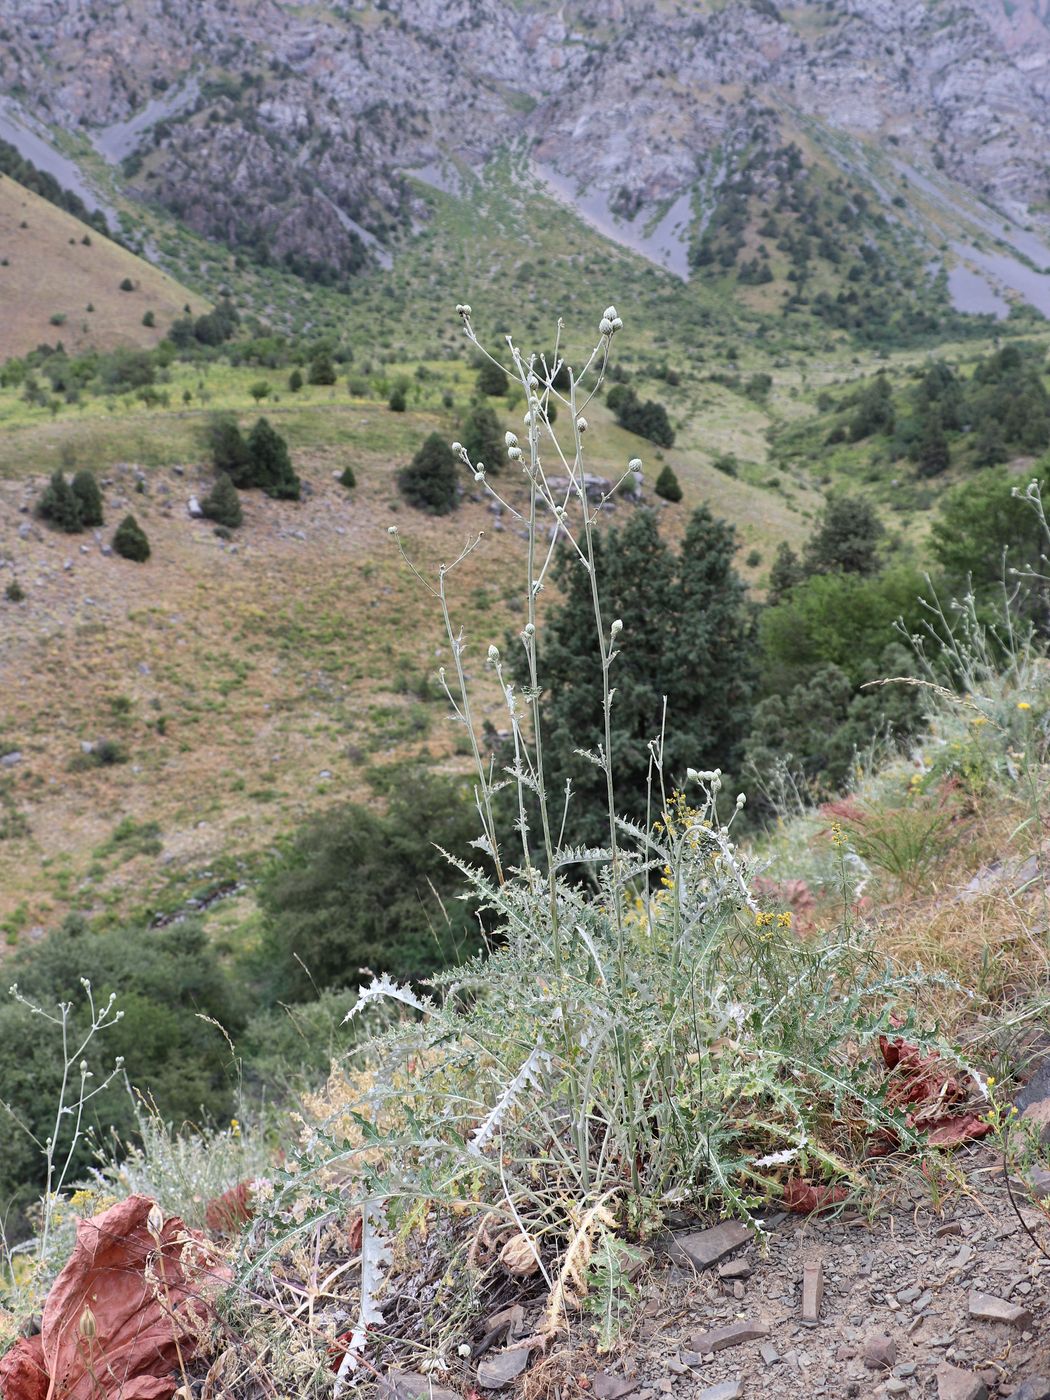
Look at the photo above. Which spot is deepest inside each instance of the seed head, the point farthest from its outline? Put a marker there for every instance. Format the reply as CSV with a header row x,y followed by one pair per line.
x,y
463,310
457,448
511,439
581,424
605,326
514,453
494,654
87,1327
635,464
609,314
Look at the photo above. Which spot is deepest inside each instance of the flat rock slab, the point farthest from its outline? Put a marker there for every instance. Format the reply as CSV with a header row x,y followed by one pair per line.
x,y
728,1390
607,1387
702,1248
409,1385
750,1330
880,1353
956,1384
991,1309
501,1367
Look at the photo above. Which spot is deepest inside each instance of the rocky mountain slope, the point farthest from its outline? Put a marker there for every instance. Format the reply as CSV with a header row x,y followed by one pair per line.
x,y
291,131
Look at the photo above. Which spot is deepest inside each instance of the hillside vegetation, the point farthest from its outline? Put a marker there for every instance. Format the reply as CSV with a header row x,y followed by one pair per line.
x,y
62,280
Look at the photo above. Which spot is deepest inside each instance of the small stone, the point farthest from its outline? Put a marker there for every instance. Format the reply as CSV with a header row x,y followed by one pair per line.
x,y
991,1309
922,1302
908,1295
749,1330
193,508
951,1227
728,1390
812,1290
738,1290
607,1387
1034,1388
735,1268
769,1353
880,1353
409,1385
956,1384
9,760
502,1367
896,1387
702,1248
666,1385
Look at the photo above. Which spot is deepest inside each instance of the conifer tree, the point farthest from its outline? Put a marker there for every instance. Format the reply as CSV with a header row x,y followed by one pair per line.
x,y
492,380
130,540
933,454
483,438
222,503
667,486
847,538
269,466
429,481
347,478
687,634
59,505
229,451
89,498
785,573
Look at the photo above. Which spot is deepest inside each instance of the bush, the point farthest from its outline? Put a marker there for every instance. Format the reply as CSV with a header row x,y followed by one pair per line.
x,y
269,465
130,540
59,505
482,436
322,371
347,478
396,402
222,503
357,889
148,319
14,592
667,485
164,981
127,285
89,497
429,481
229,451
260,390
648,420
491,380
295,380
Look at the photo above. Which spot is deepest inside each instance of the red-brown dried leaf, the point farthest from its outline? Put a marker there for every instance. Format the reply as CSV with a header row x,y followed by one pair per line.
x,y
804,1198
225,1214
23,1375
954,1132
147,1299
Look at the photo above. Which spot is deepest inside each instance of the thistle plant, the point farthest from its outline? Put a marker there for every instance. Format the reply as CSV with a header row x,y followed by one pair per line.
x,y
644,1031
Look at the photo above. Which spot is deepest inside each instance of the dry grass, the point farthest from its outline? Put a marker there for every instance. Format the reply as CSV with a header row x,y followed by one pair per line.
x,y
52,272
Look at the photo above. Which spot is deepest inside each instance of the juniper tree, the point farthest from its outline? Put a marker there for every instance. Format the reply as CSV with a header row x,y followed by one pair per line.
x,y
229,451
483,438
667,485
222,503
89,498
59,505
269,465
847,538
688,635
130,540
492,380
429,481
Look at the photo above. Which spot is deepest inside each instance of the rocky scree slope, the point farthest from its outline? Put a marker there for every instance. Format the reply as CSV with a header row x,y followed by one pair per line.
x,y
290,131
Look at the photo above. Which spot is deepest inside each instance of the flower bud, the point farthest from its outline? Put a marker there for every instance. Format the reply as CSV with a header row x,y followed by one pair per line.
x,y
391,529
457,448
493,654
155,1220
616,627
530,630
635,464
581,424
741,798
511,439
479,475
87,1327
617,324
514,453
463,309
609,314
605,326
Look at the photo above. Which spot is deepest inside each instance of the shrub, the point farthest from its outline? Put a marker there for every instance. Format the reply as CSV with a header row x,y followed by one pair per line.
x,y
229,451
14,592
357,889
148,319
482,436
259,390
347,478
222,503
127,285
59,505
847,538
295,380
130,540
89,497
429,481
396,402
269,465
491,380
648,419
322,371
667,485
